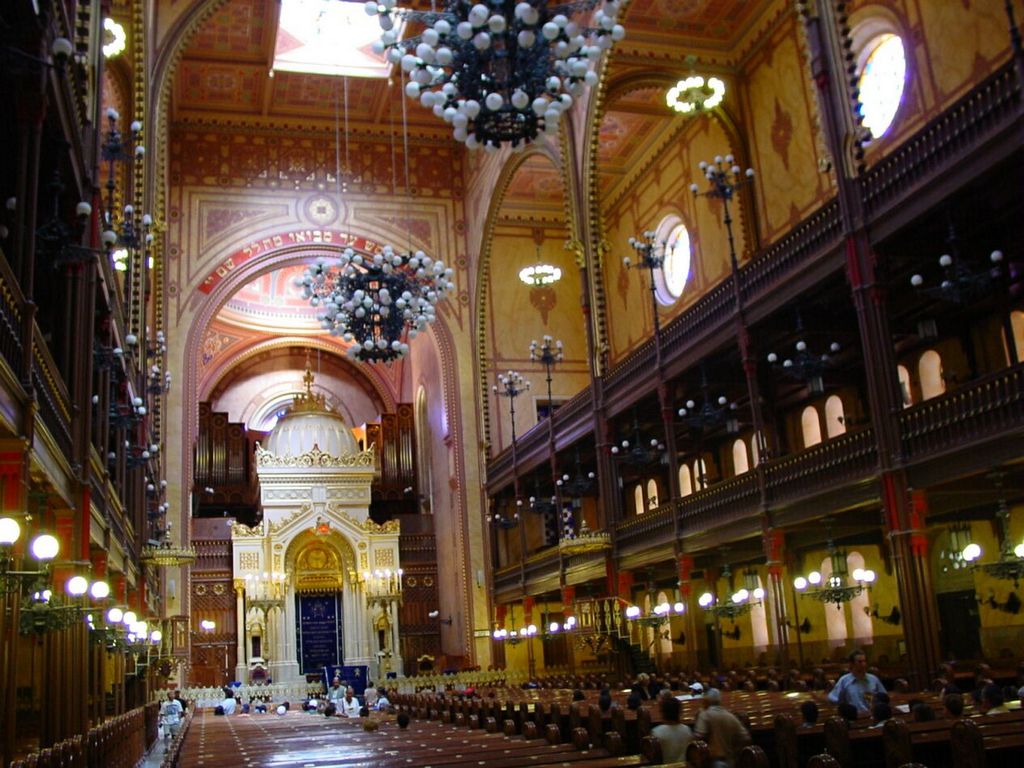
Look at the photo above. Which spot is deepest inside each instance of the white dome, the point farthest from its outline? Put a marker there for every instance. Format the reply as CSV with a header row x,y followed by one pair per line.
x,y
310,423
298,432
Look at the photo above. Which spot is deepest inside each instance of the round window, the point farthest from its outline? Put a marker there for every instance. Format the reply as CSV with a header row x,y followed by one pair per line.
x,y
675,269
883,70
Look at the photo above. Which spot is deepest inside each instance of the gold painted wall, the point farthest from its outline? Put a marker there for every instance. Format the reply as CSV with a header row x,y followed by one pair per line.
x,y
654,196
518,314
782,131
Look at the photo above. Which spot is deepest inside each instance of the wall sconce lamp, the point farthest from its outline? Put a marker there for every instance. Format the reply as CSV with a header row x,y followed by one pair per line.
x,y
893,618
44,548
1012,604
804,627
435,613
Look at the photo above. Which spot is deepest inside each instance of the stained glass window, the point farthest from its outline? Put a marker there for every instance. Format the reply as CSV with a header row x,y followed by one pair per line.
x,y
881,82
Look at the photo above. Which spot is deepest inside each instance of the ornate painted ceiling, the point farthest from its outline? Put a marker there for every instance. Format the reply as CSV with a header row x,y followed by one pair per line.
x,y
227,78
271,302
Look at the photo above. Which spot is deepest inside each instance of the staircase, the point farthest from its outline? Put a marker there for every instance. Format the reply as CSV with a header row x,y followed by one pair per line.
x,y
639,659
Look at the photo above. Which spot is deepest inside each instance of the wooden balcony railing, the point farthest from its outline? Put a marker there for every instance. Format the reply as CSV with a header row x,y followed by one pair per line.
x,y
52,396
992,405
649,527
10,319
721,504
815,235
570,417
987,108
837,461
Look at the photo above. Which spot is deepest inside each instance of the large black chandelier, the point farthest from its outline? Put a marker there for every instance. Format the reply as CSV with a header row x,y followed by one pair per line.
x,y
499,71
375,301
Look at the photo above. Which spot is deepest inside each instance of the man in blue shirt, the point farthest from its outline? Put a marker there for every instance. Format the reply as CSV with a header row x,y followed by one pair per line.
x,y
857,687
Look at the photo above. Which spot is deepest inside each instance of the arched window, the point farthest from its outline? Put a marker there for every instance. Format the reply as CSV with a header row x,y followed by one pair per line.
x,y
424,475
652,494
1017,324
685,483
670,280
882,65
739,457
700,474
835,419
810,425
647,633
863,630
835,616
759,621
905,391
929,371
638,499
664,642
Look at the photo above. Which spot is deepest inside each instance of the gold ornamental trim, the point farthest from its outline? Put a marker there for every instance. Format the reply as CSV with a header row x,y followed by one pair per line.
x,y
243,531
168,555
584,542
316,459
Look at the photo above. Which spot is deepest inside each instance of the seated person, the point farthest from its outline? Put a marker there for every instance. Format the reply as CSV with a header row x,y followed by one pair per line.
x,y
330,710
953,704
992,700
383,704
402,720
348,705
364,711
881,713
335,692
673,736
370,696
635,697
809,712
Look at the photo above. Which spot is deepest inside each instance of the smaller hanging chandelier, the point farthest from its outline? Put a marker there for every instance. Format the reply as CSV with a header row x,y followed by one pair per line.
x,y
740,602
695,93
836,588
374,301
499,72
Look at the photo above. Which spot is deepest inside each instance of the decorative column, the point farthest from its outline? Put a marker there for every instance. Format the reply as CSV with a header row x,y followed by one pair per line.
x,y
685,566
826,26
652,258
774,543
241,645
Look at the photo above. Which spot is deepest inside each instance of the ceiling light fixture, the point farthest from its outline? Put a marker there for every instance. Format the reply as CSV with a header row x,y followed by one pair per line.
x,y
498,73
540,274
695,94
117,38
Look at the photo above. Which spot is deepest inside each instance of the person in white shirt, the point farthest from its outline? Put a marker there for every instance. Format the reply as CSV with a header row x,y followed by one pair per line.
x,y
382,704
673,736
348,705
170,715
370,696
